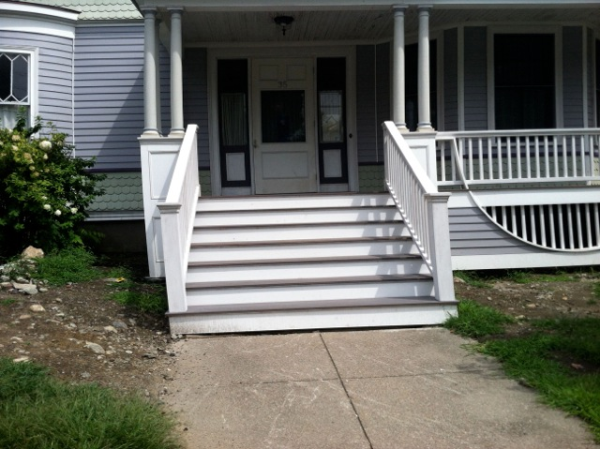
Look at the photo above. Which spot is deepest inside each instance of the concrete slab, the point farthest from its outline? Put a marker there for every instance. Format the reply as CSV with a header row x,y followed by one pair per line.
x,y
291,415
254,358
402,352
460,410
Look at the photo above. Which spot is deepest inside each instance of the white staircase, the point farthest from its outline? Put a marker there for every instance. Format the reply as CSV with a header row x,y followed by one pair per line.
x,y
304,262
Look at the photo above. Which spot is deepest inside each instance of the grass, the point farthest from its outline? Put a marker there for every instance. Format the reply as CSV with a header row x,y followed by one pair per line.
x,y
74,265
147,298
472,278
39,412
7,302
528,277
560,358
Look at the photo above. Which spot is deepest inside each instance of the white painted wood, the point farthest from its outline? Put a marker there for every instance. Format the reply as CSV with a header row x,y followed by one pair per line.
x,y
39,19
534,260
423,69
334,215
308,292
158,157
398,76
525,197
293,202
312,319
176,53
314,270
342,247
277,233
150,73
284,167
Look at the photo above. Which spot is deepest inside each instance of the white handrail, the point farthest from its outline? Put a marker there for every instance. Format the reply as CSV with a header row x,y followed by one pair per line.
x,y
519,156
423,209
177,215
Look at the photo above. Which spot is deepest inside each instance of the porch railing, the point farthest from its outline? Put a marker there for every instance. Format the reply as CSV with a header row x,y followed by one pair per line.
x,y
423,209
518,157
177,215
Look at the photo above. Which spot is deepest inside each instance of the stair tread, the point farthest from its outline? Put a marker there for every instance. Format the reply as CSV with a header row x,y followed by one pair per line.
x,y
307,281
300,242
298,225
320,304
315,260
300,209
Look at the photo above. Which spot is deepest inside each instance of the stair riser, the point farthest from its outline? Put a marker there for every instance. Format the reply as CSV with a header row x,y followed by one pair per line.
x,y
254,234
287,217
305,271
284,251
292,202
310,292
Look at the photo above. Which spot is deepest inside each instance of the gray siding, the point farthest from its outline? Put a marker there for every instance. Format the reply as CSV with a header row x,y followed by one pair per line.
x,y
476,115
450,77
195,98
55,86
590,79
109,97
373,97
472,234
366,104
573,77
383,91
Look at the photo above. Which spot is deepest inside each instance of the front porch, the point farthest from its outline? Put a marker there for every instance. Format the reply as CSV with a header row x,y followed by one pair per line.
x,y
294,113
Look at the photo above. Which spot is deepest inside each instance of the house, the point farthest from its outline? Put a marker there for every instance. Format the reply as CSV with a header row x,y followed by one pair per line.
x,y
347,153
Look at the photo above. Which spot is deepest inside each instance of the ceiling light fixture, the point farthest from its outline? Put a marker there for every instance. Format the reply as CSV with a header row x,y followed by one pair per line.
x,y
283,22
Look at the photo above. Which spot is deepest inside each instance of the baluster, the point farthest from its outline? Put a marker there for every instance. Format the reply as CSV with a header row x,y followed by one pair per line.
x,y
588,225
597,224
565,157
490,159
527,157
533,222
546,157
570,226
518,155
509,156
537,157
555,152
523,222
552,230
480,155
561,227
500,158
513,220
543,225
470,162
579,227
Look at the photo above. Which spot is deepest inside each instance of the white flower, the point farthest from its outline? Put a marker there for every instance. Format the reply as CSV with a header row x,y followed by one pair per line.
x,y
45,157
44,198
15,148
57,213
73,210
47,206
16,138
45,144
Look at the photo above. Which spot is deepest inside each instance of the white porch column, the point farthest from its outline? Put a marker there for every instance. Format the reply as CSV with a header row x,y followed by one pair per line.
x,y
176,74
150,70
424,108
399,85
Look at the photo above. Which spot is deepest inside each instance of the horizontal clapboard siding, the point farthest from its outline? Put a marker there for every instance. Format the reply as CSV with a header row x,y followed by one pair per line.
x,y
109,94
573,77
55,81
195,98
591,90
476,113
472,234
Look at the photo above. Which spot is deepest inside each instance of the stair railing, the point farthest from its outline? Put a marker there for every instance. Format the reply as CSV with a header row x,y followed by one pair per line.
x,y
177,215
423,209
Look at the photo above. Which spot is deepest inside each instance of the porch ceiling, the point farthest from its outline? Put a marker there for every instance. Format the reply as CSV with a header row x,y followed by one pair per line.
x,y
212,27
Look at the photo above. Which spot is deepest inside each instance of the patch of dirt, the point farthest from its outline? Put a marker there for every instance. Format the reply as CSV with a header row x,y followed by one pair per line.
x,y
539,297
82,336
137,352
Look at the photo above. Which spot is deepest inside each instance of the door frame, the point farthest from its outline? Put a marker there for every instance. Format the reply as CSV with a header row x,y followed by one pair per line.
x,y
283,51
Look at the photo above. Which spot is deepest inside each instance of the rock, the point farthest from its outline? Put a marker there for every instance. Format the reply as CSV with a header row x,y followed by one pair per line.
x,y
16,339
86,375
95,347
110,329
57,300
21,360
458,280
22,280
6,285
531,306
32,252
25,317
29,289
42,289
119,324
37,308
4,278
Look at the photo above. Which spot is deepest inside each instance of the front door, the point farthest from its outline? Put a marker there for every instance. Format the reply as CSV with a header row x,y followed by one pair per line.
x,y
283,121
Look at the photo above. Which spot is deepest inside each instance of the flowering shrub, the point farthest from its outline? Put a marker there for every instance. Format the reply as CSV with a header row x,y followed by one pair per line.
x,y
44,191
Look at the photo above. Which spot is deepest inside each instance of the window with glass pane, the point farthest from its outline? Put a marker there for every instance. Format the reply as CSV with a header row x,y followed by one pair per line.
x,y
282,116
14,86
524,81
234,124
331,127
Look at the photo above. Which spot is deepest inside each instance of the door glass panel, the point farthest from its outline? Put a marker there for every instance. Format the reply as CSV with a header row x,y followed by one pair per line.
x,y
234,126
331,127
282,116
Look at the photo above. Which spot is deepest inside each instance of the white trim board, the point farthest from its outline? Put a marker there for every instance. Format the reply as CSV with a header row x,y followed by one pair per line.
x,y
525,197
32,20
532,260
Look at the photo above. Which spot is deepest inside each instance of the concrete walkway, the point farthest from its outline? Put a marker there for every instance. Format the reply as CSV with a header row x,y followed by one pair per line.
x,y
417,388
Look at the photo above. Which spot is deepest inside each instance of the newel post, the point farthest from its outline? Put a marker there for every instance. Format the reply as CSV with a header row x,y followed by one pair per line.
x,y
170,217
439,232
